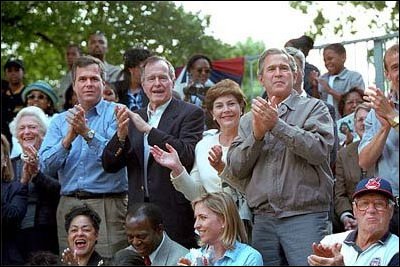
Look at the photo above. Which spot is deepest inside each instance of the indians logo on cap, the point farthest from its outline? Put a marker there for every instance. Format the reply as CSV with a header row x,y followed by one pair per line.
x,y
373,183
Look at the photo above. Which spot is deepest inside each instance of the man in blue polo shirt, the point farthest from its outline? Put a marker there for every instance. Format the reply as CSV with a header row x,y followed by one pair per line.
x,y
371,244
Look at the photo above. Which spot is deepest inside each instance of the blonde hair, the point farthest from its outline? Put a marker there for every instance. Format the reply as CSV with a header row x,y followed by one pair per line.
x,y
7,171
223,205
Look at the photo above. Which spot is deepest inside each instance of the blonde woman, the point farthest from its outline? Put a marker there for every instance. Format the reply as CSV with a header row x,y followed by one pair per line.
x,y
222,234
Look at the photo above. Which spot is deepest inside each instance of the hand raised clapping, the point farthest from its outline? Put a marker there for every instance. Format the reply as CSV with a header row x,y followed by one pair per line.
x,y
169,159
76,118
215,158
69,257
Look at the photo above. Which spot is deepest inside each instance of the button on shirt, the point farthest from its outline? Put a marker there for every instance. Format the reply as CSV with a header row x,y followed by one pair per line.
x,y
154,120
80,168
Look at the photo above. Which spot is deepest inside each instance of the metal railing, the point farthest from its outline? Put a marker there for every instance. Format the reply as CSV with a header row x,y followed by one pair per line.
x,y
374,50
363,55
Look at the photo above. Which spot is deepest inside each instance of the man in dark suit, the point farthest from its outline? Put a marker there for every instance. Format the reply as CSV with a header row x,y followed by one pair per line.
x,y
164,120
148,240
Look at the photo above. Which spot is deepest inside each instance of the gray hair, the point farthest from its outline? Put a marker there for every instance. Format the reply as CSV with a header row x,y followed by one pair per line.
x,y
36,112
296,53
153,59
275,51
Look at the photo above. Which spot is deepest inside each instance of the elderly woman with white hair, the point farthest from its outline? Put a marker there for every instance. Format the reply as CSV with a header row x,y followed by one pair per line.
x,y
39,94
38,229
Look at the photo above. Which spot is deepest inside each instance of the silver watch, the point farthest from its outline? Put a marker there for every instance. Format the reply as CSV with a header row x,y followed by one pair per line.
x,y
89,136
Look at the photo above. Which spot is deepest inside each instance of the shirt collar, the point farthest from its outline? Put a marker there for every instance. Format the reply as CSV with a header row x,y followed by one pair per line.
x,y
289,101
96,110
342,74
303,93
153,255
230,253
351,238
158,110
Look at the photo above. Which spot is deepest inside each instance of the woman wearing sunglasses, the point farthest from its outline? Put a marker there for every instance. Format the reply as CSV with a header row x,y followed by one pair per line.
x,y
42,95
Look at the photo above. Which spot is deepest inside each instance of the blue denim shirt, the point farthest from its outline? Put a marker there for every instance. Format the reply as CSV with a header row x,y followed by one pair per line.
x,y
80,168
388,162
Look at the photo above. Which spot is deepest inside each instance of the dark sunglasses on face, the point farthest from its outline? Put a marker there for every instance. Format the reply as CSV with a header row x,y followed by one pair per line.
x,y
32,96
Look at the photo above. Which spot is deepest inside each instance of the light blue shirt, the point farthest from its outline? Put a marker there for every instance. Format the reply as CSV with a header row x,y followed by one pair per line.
x,y
240,255
80,168
388,162
341,83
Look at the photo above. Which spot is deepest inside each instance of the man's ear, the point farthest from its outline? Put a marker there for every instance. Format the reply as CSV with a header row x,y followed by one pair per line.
x,y
260,78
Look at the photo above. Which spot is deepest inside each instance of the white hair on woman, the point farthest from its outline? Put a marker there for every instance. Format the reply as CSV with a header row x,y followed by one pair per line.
x,y
36,112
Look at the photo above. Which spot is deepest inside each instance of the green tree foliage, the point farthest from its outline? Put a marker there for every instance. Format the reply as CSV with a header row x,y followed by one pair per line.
x,y
251,49
345,22
38,32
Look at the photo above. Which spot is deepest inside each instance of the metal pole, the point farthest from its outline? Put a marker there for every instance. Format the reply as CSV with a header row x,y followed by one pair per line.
x,y
378,62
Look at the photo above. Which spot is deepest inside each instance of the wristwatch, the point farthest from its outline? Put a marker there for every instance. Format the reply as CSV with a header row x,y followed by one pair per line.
x,y
89,135
394,122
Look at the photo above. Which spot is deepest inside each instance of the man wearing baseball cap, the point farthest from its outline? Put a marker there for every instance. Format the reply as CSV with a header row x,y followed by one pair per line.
x,y
371,244
11,100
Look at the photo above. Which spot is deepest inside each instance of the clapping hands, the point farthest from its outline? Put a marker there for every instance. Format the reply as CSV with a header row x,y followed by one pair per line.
x,y
31,163
169,159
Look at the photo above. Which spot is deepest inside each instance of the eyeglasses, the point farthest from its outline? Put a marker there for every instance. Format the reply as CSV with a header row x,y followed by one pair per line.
x,y
379,205
33,96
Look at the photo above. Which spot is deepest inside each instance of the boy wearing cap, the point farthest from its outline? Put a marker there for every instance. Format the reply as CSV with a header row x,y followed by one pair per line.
x,y
11,101
371,244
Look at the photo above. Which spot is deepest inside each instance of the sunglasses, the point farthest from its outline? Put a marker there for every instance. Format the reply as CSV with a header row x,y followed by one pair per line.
x,y
33,96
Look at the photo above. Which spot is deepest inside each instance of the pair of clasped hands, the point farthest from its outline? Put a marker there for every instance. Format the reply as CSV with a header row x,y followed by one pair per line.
x,y
31,163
